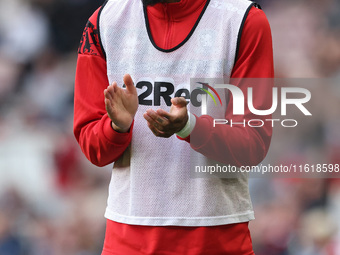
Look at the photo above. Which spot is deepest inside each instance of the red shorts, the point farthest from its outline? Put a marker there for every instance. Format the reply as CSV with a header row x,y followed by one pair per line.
x,y
123,239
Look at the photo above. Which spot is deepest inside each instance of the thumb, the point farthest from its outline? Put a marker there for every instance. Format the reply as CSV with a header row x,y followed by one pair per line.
x,y
179,101
129,83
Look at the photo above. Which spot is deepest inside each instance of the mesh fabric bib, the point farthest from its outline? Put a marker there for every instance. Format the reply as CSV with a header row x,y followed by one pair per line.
x,y
151,183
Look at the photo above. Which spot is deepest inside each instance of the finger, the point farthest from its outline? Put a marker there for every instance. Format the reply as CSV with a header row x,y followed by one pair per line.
x,y
170,117
107,94
106,90
111,89
157,132
179,101
130,87
164,114
156,116
151,121
159,123
108,105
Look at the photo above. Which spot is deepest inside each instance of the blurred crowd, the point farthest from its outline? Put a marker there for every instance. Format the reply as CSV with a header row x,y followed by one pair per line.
x,y
301,216
52,200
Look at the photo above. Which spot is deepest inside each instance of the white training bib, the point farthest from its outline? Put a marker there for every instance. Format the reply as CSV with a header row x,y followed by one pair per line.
x,y
151,183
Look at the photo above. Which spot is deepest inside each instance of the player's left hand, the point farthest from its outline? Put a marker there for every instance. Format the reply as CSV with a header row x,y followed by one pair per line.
x,y
165,124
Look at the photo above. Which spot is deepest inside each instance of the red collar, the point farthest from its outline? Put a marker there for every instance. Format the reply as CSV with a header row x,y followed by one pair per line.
x,y
175,11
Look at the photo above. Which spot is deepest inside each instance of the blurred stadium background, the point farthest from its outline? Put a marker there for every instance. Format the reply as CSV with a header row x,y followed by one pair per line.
x,y
52,200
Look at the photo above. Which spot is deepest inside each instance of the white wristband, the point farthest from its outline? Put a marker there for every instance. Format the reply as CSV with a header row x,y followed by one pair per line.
x,y
189,126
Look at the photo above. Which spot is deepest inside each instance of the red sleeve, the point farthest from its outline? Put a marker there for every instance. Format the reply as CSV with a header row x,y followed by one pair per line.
x,y
92,126
243,145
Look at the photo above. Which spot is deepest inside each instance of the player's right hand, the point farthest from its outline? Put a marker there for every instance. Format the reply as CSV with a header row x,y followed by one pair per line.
x,y
121,104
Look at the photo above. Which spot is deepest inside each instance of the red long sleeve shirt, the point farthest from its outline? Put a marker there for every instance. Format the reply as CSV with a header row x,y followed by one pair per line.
x,y
169,25
92,127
